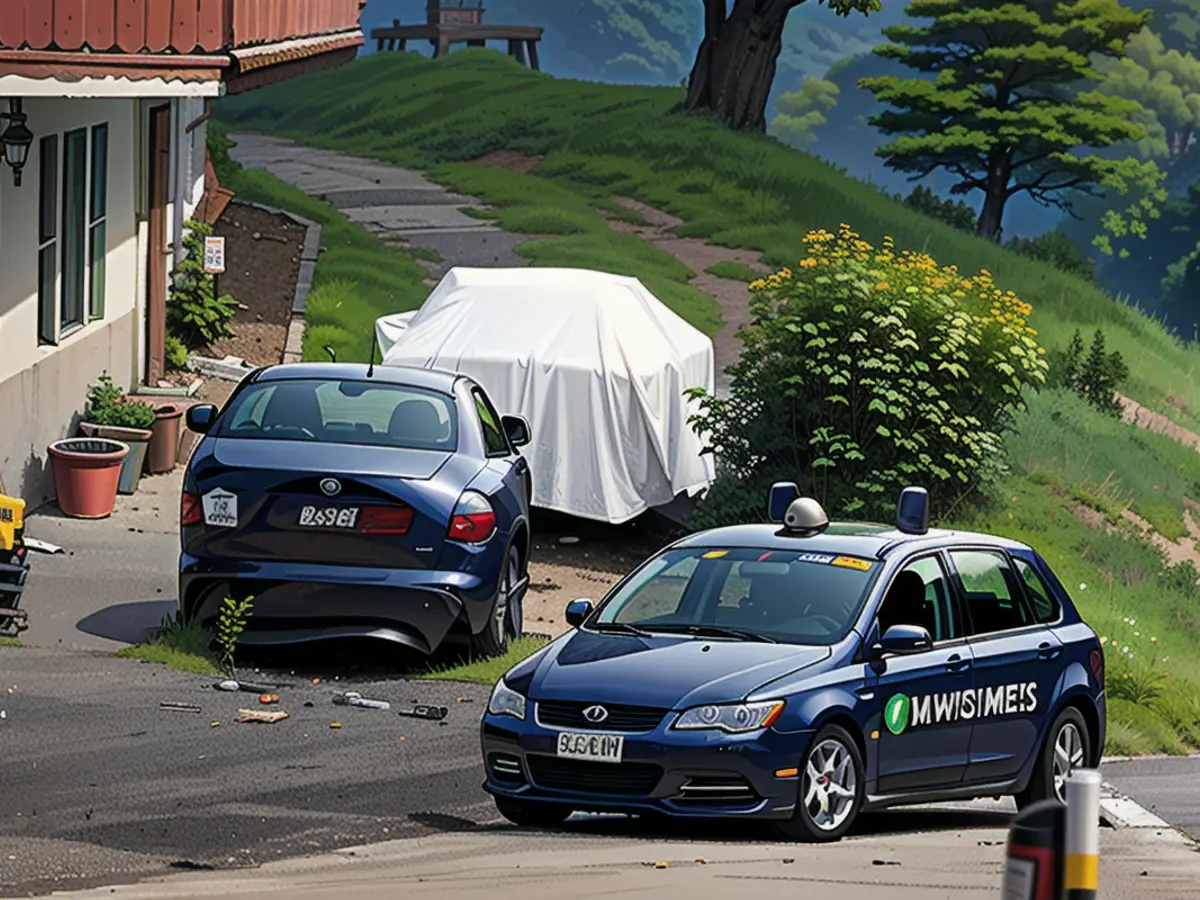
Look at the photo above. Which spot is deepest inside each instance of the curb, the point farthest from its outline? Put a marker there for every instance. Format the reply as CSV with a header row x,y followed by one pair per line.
x,y
1120,812
293,345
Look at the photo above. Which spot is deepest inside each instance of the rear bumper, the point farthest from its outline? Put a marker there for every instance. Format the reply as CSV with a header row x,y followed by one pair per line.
x,y
299,603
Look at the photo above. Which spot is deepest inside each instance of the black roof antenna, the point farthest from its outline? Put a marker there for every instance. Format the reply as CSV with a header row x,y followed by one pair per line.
x,y
328,348
374,347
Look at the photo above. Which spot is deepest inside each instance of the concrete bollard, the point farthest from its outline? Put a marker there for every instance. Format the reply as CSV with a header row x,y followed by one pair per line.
x,y
1081,870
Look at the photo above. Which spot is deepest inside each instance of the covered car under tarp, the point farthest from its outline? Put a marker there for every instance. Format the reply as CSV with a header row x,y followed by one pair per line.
x,y
595,362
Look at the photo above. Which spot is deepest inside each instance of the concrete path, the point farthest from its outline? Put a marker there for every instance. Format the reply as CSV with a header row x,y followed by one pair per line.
x,y
397,204
510,865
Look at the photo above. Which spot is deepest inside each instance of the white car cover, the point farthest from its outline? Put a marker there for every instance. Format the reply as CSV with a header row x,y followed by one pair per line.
x,y
595,362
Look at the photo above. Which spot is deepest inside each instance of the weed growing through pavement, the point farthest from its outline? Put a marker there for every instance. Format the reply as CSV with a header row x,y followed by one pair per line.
x,y
230,625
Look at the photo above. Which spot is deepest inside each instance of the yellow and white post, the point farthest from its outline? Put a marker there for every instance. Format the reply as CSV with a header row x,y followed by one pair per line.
x,y
1081,872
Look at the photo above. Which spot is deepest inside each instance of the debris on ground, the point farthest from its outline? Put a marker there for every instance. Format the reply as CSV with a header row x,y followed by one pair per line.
x,y
268,699
354,698
232,685
41,546
568,539
422,711
179,707
259,715
335,724
465,700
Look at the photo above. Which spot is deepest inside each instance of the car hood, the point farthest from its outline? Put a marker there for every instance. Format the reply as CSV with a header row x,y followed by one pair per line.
x,y
667,672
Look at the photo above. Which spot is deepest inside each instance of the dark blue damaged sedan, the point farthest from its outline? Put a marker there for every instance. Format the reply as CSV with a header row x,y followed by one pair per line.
x,y
357,501
801,672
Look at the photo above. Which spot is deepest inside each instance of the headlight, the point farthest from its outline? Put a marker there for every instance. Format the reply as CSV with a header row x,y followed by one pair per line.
x,y
506,702
735,718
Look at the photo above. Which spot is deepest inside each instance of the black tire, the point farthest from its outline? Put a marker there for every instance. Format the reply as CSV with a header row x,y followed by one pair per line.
x,y
531,814
1068,734
505,619
812,805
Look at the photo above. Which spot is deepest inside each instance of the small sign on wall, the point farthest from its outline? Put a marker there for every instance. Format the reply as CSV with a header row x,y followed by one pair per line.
x,y
214,255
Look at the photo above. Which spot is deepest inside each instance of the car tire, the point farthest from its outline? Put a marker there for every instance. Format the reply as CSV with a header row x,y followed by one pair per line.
x,y
531,814
505,619
1068,747
826,809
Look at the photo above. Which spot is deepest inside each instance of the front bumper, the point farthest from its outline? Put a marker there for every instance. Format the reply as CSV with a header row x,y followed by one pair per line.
x,y
676,773
298,603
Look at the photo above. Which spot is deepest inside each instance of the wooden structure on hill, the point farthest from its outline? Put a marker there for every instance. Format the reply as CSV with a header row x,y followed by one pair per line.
x,y
446,25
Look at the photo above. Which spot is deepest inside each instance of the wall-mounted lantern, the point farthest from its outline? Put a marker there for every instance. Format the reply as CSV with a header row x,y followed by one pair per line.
x,y
15,139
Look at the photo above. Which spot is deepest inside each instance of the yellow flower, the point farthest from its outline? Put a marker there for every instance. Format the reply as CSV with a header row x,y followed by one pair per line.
x,y
883,286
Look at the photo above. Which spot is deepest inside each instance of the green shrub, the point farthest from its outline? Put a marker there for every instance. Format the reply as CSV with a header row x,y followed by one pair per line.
x,y
864,371
196,317
1094,377
1058,250
956,214
177,353
108,405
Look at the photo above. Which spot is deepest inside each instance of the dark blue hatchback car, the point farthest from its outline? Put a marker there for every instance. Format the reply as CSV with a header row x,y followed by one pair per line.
x,y
801,673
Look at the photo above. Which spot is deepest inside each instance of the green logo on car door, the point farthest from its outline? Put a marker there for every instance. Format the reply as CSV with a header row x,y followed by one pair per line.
x,y
895,714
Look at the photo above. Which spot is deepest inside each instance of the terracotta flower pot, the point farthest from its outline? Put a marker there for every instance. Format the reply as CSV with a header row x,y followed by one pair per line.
x,y
138,440
164,444
86,472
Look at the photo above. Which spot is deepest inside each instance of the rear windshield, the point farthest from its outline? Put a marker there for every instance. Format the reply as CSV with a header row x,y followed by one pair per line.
x,y
342,412
789,597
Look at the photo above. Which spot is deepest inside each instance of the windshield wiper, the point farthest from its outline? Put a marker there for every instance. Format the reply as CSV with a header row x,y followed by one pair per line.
x,y
620,628
716,631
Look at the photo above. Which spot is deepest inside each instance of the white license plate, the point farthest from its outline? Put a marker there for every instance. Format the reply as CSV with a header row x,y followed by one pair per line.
x,y
328,516
593,747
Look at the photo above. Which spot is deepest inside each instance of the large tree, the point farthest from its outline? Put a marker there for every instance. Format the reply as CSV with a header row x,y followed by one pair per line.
x,y
735,65
1002,105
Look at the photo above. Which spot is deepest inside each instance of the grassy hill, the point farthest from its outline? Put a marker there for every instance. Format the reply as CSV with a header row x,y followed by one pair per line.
x,y
1069,463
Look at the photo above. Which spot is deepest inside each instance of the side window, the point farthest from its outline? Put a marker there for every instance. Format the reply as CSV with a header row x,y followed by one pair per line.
x,y
1041,598
993,599
494,438
920,595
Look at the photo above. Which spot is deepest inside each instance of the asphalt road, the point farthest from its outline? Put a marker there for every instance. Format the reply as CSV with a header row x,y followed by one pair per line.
x,y
1167,787
101,785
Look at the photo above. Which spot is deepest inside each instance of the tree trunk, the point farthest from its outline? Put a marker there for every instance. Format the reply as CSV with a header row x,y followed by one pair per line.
x,y
735,65
991,217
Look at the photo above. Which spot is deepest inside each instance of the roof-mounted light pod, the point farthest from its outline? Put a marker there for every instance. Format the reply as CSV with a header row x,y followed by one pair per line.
x,y
805,516
912,511
781,497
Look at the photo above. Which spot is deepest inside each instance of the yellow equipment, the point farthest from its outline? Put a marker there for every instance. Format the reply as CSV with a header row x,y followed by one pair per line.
x,y
14,565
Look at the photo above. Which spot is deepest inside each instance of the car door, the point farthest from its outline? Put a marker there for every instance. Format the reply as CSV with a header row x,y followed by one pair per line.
x,y
502,455
1018,661
922,739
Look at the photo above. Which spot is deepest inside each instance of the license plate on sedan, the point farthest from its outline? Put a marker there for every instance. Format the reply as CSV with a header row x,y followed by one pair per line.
x,y
592,747
328,516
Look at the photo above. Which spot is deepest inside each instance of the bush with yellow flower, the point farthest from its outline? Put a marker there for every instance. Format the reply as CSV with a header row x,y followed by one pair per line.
x,y
866,369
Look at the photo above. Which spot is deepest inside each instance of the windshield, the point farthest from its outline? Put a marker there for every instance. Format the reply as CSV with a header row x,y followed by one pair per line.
x,y
342,412
789,597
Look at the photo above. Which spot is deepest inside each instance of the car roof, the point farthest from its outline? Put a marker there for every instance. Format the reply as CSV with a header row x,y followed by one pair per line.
x,y
409,376
862,539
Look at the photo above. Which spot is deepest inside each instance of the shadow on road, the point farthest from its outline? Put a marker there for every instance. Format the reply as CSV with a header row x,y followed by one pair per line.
x,y
129,623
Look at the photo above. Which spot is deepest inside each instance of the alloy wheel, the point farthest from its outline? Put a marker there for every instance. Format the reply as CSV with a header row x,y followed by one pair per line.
x,y
508,613
1068,756
832,785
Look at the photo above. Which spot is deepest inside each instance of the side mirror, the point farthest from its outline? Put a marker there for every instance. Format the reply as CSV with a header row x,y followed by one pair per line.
x,y
903,640
578,610
200,417
517,429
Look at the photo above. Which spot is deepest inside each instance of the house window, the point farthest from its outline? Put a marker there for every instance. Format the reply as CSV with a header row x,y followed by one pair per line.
x,y
73,231
98,221
47,239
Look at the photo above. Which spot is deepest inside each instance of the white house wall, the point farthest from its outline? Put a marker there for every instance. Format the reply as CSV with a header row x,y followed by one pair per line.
x,y
43,387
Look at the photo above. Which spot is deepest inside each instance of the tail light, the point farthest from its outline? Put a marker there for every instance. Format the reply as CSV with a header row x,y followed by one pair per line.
x,y
1097,663
189,509
473,521
386,519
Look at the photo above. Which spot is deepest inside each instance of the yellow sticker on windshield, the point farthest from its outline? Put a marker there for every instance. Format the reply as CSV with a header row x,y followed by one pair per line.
x,y
852,562
715,554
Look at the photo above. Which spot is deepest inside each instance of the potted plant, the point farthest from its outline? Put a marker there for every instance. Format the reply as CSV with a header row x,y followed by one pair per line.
x,y
86,472
164,441
112,415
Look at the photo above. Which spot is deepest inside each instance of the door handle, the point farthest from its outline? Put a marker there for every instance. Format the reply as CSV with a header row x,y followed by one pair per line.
x,y
1047,650
957,664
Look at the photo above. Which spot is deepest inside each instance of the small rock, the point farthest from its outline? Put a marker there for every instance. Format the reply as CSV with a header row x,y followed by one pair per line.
x,y
884,862
568,539
257,235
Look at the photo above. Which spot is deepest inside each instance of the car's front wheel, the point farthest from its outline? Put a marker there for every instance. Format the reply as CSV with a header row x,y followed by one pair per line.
x,y
506,620
531,814
832,789
1068,747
